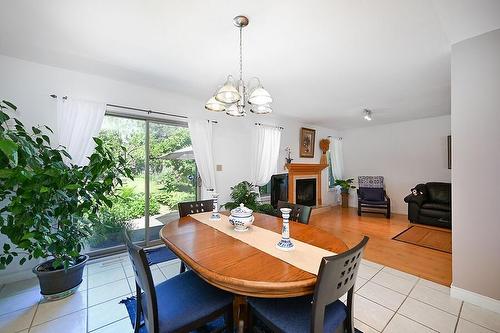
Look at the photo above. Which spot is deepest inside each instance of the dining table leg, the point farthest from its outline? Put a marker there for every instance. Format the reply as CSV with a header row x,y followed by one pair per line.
x,y
240,313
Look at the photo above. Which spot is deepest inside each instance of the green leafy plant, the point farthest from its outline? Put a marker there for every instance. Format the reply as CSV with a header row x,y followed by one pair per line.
x,y
345,184
49,208
244,193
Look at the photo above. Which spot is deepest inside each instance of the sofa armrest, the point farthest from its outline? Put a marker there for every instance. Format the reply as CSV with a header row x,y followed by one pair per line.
x,y
417,199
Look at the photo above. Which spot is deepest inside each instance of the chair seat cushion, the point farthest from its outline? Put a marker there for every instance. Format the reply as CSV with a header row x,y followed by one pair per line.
x,y
378,203
437,206
185,299
294,314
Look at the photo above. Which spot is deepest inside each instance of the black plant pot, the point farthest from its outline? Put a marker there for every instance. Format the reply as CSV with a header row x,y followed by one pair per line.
x,y
59,283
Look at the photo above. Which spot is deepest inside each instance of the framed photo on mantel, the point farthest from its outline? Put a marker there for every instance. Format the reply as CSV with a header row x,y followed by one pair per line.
x,y
307,141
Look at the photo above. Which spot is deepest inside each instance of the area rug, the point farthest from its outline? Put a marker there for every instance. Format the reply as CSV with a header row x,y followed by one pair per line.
x,y
436,239
214,326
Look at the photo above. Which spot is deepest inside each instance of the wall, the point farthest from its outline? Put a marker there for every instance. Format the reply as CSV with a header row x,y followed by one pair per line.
x,y
29,85
405,153
475,119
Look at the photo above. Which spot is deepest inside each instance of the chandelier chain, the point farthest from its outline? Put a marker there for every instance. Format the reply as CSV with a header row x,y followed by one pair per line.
x,y
241,54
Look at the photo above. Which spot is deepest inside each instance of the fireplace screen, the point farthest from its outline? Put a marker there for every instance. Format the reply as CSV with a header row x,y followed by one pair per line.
x,y
305,192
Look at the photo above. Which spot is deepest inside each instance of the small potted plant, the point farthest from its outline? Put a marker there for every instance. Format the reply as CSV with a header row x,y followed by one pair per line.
x,y
48,207
345,186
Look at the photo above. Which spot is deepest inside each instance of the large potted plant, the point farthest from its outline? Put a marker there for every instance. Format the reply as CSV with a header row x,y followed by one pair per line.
x,y
48,208
345,186
245,193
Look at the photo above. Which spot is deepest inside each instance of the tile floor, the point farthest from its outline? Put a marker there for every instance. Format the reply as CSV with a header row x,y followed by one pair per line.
x,y
386,300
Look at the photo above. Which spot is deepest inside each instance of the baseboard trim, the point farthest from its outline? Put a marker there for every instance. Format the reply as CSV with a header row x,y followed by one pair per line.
x,y
475,298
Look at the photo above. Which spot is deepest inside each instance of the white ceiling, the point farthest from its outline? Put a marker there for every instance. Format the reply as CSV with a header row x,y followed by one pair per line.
x,y
322,60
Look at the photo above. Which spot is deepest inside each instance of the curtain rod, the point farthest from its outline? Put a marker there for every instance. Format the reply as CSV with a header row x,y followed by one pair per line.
x,y
338,138
260,124
134,109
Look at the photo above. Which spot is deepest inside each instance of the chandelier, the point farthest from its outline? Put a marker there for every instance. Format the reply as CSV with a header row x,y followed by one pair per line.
x,y
233,97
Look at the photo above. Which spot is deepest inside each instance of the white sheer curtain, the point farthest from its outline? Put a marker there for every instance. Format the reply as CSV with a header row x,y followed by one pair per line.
x,y
337,159
265,152
336,164
201,140
78,122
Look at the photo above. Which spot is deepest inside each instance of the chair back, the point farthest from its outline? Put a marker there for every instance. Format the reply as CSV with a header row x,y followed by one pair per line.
x,y
146,293
193,207
337,275
371,182
299,213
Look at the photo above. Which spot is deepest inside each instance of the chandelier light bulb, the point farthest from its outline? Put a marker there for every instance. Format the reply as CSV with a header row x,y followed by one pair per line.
x,y
260,96
235,111
228,94
215,105
261,109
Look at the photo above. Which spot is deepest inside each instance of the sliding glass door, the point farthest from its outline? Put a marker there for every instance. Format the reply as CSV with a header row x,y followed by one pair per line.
x,y
160,157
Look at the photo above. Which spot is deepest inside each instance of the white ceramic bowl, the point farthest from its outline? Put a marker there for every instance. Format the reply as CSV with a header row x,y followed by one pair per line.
x,y
241,218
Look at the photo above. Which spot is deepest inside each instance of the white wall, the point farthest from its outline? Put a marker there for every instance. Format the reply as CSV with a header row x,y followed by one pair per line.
x,y
28,85
405,153
475,119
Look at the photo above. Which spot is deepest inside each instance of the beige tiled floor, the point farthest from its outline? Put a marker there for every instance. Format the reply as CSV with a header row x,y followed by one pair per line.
x,y
386,300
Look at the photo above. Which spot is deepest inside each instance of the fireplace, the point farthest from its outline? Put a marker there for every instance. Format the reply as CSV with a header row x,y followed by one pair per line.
x,y
305,191
298,172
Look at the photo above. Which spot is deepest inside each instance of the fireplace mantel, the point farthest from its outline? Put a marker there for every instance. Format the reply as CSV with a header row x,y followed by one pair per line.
x,y
302,170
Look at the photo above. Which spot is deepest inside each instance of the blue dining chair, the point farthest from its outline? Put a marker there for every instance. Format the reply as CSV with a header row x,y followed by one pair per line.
x,y
321,312
180,304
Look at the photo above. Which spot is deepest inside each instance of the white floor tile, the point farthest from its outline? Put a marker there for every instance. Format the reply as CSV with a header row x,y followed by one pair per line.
x,y
360,282
394,282
171,270
20,287
371,313
129,271
158,276
465,326
72,323
17,321
105,277
372,264
363,327
436,298
106,313
429,316
51,310
19,301
367,272
401,274
107,292
400,324
434,285
121,326
170,262
382,295
482,317
103,266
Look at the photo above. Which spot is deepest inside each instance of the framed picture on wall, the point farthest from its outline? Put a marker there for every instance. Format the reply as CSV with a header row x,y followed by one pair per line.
x,y
307,140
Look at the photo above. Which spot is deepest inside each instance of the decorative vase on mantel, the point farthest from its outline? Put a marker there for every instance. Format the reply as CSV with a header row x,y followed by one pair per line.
x,y
285,244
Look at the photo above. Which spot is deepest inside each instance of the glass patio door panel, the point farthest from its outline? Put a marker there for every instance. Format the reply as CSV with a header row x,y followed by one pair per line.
x,y
128,209
172,173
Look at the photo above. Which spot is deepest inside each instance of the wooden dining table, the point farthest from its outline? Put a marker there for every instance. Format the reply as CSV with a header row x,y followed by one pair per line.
x,y
239,268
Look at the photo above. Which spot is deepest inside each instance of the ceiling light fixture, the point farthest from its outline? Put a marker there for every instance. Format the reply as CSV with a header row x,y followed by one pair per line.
x,y
233,96
367,114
